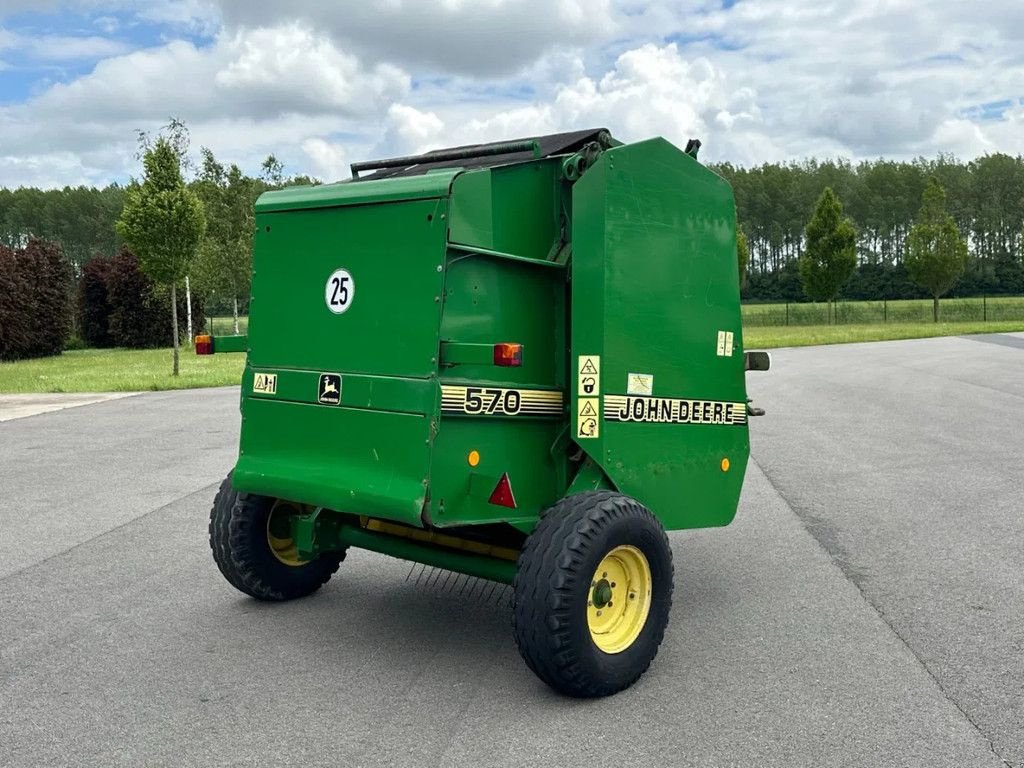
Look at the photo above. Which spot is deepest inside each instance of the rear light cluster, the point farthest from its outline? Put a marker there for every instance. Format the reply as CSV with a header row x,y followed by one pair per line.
x,y
508,355
204,345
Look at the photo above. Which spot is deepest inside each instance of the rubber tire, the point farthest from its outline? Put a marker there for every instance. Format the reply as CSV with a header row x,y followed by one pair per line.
x,y
238,538
552,586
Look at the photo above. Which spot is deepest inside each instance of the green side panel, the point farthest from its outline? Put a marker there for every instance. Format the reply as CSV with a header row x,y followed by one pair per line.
x,y
521,447
428,185
654,282
381,393
357,461
394,254
489,300
512,209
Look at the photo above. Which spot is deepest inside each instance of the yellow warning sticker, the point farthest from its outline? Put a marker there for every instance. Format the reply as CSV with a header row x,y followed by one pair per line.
x,y
265,383
589,380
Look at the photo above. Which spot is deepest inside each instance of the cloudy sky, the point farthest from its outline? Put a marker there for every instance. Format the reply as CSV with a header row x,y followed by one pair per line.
x,y
321,84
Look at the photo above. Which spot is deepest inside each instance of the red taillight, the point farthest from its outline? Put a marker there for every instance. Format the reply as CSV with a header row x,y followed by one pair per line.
x,y
204,345
502,493
508,355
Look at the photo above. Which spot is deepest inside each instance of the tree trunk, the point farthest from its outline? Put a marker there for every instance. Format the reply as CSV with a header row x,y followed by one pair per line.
x,y
188,306
174,324
935,308
236,315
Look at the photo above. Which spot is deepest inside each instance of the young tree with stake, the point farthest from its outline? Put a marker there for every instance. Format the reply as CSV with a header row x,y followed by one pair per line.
x,y
936,253
225,258
830,255
163,223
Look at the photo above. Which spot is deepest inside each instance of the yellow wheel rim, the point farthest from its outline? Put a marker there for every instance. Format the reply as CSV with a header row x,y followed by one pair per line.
x,y
279,531
619,599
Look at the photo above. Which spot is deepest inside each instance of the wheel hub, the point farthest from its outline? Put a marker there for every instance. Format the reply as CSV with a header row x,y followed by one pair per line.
x,y
620,599
279,534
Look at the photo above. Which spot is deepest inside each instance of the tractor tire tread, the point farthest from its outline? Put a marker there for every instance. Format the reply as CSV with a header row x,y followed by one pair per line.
x,y
548,573
243,556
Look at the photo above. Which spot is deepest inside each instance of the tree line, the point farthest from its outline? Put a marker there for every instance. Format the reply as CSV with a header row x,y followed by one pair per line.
x,y
882,198
136,256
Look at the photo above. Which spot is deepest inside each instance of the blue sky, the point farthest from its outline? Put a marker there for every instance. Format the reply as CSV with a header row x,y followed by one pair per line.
x,y
323,84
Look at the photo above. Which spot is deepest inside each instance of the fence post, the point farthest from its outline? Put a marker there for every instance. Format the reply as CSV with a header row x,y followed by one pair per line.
x,y
885,312
787,313
984,308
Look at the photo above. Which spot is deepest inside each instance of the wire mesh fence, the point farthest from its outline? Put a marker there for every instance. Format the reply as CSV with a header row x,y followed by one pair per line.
x,y
977,309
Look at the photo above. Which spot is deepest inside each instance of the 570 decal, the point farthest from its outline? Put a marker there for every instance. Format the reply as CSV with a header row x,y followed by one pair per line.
x,y
498,401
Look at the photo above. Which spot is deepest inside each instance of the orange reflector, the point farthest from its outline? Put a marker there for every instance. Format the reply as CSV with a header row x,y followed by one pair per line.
x,y
502,493
473,458
204,345
725,465
508,355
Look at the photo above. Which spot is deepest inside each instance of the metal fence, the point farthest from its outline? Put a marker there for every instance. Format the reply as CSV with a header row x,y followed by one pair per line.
x,y
979,309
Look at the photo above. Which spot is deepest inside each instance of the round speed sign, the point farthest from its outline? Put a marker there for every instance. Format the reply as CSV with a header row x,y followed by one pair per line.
x,y
339,291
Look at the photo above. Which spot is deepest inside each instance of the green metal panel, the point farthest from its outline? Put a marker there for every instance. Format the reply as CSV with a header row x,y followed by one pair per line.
x,y
363,462
429,185
395,256
238,343
654,283
383,393
512,208
490,299
367,449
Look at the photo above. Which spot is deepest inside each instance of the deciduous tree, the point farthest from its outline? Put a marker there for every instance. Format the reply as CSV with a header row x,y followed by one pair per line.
x,y
936,253
163,223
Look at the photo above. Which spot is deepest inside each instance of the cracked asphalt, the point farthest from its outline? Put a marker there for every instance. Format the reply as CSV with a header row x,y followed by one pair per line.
x,y
866,608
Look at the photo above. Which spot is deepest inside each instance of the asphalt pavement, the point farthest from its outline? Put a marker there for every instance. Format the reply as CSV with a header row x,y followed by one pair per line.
x,y
864,609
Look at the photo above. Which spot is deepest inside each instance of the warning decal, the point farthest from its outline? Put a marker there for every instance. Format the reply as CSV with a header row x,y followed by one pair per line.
x,y
588,405
498,401
667,410
265,383
589,381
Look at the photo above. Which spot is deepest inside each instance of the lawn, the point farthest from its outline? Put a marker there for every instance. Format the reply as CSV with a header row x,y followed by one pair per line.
x,y
131,370
119,370
806,335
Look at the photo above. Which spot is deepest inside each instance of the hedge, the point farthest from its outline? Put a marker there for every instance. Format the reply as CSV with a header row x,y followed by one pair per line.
x,y
36,298
118,306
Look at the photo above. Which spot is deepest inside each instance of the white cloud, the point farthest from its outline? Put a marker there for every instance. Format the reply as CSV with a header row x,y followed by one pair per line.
x,y
256,84
474,37
330,161
322,84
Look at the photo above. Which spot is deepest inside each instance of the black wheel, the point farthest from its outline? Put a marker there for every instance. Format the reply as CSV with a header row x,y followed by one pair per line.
x,y
592,594
251,541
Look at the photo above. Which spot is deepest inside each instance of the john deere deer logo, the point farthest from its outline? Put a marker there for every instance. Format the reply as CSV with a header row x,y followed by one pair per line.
x,y
330,388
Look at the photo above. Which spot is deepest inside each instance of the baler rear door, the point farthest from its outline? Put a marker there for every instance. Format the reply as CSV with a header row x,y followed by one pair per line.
x,y
345,314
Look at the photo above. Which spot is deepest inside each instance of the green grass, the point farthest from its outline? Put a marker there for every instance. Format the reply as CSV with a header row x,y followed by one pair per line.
x,y
225,326
131,370
994,309
802,336
119,370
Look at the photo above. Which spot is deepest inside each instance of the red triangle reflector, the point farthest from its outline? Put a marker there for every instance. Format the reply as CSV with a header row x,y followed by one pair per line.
x,y
502,493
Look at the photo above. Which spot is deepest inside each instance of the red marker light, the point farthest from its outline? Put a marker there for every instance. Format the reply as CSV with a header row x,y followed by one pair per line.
x,y
508,355
204,345
502,493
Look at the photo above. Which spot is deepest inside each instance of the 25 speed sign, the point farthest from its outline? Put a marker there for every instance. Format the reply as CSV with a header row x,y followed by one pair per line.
x,y
339,291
